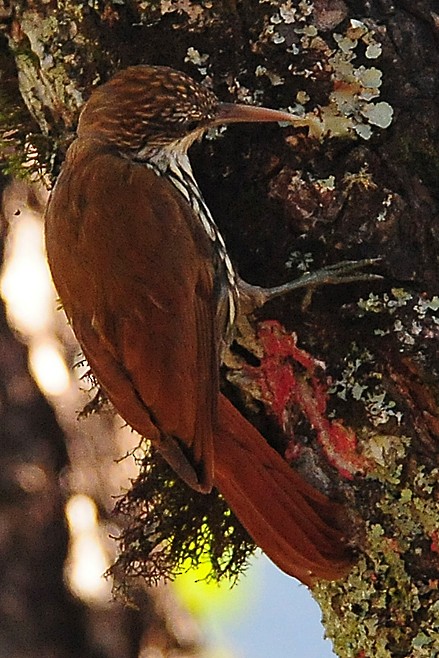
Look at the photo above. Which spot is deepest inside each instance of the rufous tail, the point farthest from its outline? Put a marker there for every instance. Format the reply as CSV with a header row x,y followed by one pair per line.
x,y
293,523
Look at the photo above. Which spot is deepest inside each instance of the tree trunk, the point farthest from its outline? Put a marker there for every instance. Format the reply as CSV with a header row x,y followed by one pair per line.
x,y
359,180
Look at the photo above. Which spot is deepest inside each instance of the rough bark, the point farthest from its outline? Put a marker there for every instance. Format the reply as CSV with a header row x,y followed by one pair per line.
x,y
361,415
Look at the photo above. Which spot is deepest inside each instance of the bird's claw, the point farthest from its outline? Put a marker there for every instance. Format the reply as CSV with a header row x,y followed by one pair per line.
x,y
346,271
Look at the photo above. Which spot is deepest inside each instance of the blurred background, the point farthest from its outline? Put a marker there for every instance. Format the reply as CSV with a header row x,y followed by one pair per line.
x,y
266,614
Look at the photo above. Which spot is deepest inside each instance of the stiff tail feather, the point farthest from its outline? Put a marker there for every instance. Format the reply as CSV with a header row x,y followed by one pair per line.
x,y
294,524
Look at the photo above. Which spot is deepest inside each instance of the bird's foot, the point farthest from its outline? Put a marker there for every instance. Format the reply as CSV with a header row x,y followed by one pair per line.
x,y
347,271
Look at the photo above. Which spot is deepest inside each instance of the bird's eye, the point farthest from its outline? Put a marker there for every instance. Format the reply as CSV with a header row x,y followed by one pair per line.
x,y
191,124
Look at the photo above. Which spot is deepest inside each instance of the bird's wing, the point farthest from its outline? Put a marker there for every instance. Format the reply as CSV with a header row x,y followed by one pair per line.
x,y
133,268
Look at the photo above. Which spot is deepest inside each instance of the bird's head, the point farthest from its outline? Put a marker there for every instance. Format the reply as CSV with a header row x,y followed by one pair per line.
x,y
146,108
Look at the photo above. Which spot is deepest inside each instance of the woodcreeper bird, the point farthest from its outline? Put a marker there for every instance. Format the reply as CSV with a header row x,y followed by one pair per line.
x,y
146,282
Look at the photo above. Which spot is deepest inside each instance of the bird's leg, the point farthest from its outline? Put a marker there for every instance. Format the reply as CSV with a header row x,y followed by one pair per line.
x,y
347,271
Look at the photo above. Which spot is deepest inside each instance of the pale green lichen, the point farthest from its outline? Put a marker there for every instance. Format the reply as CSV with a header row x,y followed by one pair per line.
x,y
374,50
408,329
43,79
343,386
200,60
381,610
381,408
389,604
360,381
349,112
386,204
386,453
300,261
357,86
274,78
191,9
424,305
378,114
23,153
385,303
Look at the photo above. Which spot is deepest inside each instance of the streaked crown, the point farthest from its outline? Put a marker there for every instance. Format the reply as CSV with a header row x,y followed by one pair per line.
x,y
147,106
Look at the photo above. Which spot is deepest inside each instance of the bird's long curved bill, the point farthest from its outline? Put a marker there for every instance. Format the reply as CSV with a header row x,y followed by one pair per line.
x,y
231,113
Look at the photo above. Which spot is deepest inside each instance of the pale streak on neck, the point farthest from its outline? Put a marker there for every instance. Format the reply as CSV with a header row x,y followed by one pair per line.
x,y
173,162
175,151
